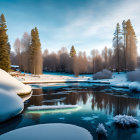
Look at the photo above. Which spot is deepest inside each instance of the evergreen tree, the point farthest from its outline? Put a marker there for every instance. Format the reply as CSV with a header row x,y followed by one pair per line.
x,y
73,52
131,48
4,45
124,37
116,40
35,53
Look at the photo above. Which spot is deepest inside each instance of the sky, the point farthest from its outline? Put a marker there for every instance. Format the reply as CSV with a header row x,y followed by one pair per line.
x,y
86,24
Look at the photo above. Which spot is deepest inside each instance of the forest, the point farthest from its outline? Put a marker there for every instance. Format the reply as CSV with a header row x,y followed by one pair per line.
x,y
29,57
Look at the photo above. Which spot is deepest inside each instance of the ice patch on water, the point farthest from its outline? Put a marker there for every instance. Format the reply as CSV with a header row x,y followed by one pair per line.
x,y
62,118
89,118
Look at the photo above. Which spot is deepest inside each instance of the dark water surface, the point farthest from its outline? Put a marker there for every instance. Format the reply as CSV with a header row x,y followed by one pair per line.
x,y
99,104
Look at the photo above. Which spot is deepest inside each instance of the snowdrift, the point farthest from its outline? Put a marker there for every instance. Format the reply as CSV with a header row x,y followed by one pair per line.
x,y
10,105
48,132
9,83
105,74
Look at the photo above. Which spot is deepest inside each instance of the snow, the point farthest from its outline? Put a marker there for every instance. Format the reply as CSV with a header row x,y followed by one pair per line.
x,y
10,105
9,83
48,132
101,129
134,86
117,81
104,74
47,107
125,120
14,66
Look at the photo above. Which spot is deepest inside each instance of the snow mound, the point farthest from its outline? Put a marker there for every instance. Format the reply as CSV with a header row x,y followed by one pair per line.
x,y
105,74
125,121
48,132
10,105
133,76
101,129
134,86
9,83
48,107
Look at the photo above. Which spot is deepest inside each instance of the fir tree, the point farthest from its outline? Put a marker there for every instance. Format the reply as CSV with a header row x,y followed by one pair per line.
x,y
4,45
116,39
72,52
35,53
131,48
124,37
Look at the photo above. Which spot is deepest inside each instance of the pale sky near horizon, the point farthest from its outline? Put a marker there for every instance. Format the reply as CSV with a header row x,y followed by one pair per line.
x,y
86,24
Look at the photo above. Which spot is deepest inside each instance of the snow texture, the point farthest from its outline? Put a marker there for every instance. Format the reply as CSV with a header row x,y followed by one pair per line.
x,y
101,129
48,107
133,76
48,132
134,86
105,74
9,83
10,105
125,121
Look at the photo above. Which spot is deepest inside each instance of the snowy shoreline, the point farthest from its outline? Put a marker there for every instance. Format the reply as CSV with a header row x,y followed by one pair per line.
x,y
117,81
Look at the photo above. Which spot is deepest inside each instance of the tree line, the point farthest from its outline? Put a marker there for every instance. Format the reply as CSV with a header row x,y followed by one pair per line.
x,y
27,53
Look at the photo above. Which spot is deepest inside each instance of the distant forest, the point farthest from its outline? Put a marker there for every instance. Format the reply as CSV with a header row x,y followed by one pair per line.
x,y
28,55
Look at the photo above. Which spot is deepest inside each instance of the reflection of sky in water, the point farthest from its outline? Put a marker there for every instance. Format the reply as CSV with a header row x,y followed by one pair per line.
x,y
98,105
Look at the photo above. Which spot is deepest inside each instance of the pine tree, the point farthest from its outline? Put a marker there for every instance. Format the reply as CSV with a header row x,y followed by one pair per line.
x,y
116,40
124,37
35,53
4,45
73,52
131,48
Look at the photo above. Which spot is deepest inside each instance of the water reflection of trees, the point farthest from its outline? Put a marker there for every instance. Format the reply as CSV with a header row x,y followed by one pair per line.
x,y
111,104
115,104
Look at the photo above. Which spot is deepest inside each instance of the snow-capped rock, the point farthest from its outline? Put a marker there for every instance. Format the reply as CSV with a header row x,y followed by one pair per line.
x,y
101,129
125,120
10,105
9,83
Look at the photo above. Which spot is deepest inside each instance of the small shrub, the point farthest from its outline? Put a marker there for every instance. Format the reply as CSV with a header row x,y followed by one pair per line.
x,y
101,130
125,121
105,74
133,76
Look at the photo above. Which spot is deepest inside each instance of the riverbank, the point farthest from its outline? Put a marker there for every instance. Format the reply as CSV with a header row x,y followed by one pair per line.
x,y
117,81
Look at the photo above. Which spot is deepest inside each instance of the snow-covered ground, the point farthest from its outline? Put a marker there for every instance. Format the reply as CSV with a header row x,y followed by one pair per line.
x,y
48,132
9,83
10,105
118,80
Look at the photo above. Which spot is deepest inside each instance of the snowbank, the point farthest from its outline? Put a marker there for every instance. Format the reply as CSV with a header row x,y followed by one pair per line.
x,y
134,86
101,129
47,107
105,74
9,83
10,105
133,76
125,121
48,132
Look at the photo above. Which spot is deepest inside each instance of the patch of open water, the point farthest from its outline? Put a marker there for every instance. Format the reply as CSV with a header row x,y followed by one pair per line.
x,y
99,104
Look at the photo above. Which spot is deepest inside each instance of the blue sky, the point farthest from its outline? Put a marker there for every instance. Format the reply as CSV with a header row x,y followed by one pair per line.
x,y
86,24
